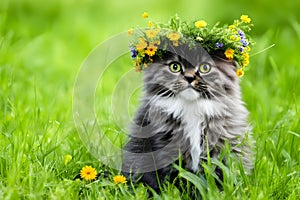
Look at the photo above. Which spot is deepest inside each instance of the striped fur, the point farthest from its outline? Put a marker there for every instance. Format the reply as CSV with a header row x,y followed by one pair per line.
x,y
177,115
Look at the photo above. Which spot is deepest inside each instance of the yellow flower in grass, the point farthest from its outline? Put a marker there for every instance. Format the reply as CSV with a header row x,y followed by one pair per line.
x,y
88,173
151,49
151,33
141,45
119,179
245,19
239,72
200,24
145,15
229,53
174,36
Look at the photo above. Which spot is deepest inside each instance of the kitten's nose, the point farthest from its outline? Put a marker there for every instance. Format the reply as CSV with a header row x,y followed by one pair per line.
x,y
189,78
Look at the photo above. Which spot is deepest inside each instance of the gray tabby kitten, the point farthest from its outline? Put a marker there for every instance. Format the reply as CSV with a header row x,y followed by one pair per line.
x,y
190,99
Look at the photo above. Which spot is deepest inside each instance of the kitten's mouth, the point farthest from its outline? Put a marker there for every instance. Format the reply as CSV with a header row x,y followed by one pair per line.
x,y
189,94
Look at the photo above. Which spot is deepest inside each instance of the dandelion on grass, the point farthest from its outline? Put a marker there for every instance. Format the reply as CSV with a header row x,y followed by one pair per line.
x,y
119,179
88,173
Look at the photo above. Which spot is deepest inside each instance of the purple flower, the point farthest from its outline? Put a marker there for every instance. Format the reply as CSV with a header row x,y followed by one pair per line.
x,y
241,49
244,42
219,45
241,33
133,52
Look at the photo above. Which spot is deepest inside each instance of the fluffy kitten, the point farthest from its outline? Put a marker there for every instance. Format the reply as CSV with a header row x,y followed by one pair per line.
x,y
190,99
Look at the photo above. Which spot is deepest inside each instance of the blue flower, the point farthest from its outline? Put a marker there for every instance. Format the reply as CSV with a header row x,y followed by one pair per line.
x,y
133,52
241,49
219,45
244,42
241,33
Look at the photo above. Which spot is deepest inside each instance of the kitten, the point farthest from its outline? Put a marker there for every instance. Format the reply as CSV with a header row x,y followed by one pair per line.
x,y
190,99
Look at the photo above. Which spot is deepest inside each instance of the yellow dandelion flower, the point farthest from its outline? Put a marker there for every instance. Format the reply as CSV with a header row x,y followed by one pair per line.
x,y
245,61
141,45
239,72
145,15
130,31
232,37
151,33
150,24
245,19
246,56
229,53
232,26
173,36
151,49
88,173
200,24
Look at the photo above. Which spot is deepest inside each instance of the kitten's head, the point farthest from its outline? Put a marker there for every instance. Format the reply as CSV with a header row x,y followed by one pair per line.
x,y
190,75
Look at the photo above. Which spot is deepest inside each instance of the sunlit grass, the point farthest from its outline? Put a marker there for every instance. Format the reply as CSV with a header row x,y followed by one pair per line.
x,y
41,50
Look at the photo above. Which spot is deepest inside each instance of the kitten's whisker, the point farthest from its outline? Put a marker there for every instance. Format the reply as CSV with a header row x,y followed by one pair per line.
x,y
143,120
215,97
157,95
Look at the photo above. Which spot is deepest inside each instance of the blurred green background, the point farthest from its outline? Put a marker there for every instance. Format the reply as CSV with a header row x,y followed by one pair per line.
x,y
43,44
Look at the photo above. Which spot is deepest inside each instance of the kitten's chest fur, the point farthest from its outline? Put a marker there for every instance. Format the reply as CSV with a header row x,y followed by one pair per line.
x,y
193,116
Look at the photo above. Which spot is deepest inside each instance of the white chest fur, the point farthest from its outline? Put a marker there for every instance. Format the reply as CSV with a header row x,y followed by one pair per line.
x,y
192,114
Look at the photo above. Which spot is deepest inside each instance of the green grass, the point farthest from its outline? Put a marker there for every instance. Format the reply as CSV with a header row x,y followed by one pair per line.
x,y
42,46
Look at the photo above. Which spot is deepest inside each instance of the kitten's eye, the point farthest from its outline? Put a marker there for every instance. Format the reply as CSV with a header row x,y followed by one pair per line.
x,y
175,67
204,68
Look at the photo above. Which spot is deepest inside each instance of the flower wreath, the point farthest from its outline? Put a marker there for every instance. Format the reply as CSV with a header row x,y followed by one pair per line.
x,y
232,40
